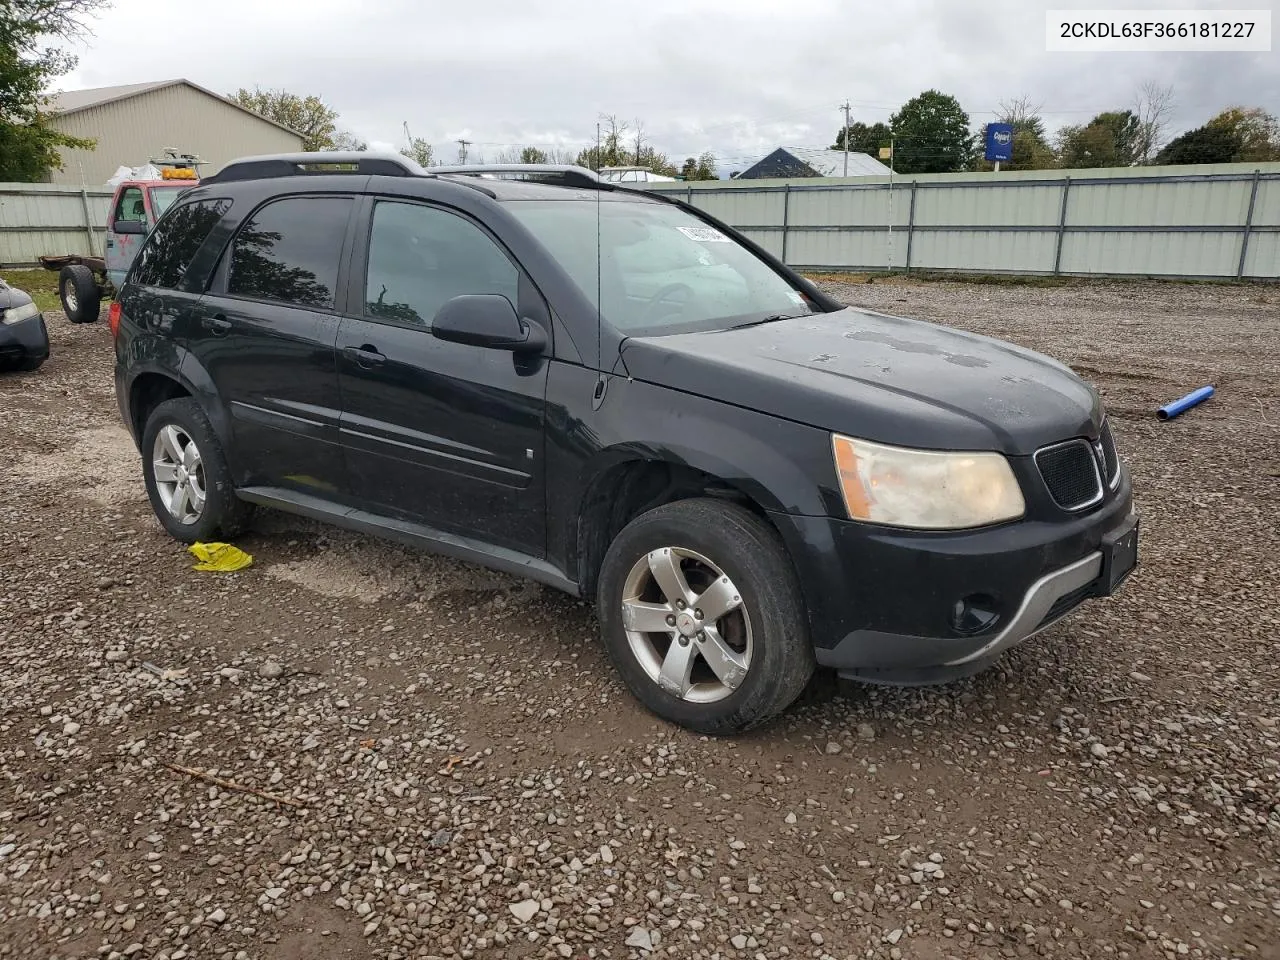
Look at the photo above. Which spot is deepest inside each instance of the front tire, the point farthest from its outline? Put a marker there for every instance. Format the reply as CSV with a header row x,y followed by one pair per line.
x,y
188,480
703,617
79,292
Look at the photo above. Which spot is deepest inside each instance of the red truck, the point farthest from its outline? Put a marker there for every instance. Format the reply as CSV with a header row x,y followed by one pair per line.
x,y
84,282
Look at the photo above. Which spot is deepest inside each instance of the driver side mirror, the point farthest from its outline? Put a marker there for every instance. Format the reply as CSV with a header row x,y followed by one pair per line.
x,y
487,320
129,226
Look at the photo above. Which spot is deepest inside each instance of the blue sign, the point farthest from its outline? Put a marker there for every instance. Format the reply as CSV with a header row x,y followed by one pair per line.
x,y
999,142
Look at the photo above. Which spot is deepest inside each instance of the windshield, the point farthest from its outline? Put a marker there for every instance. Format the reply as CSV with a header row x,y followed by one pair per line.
x,y
162,198
663,269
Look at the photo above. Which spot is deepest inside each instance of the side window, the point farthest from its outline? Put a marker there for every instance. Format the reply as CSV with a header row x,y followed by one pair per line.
x,y
289,251
130,206
419,257
174,242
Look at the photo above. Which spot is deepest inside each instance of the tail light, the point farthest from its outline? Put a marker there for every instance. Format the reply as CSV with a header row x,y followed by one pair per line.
x,y
113,318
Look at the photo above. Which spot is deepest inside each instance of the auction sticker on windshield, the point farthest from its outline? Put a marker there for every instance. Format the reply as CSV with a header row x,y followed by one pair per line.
x,y
704,234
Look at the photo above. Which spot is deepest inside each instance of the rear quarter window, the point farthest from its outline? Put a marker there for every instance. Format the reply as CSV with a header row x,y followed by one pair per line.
x,y
289,250
164,258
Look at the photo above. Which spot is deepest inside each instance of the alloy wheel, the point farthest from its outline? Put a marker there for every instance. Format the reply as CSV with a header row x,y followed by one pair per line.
x,y
179,473
686,625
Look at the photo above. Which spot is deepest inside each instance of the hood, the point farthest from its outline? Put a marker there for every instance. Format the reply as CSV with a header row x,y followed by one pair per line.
x,y
881,378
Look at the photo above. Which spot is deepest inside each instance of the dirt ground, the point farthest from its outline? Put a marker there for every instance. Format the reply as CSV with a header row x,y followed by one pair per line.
x,y
460,774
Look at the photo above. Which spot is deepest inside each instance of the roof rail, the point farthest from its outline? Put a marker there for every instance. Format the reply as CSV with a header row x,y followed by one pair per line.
x,y
569,175
305,164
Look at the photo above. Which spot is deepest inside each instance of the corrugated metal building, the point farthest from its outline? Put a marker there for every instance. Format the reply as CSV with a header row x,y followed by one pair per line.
x,y
138,121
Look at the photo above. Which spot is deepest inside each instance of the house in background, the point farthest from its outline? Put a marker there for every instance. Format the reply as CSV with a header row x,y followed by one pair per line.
x,y
787,162
138,121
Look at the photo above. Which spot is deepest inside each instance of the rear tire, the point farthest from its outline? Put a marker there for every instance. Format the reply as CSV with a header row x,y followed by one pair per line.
x,y
188,480
735,664
79,292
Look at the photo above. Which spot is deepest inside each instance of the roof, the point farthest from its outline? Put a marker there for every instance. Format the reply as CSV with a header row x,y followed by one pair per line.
x,y
73,101
830,163
824,163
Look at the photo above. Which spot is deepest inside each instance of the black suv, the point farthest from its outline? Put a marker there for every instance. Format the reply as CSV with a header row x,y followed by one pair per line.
x,y
613,393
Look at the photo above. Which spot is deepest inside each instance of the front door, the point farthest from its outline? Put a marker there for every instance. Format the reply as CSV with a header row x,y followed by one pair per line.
x,y
121,248
265,335
444,434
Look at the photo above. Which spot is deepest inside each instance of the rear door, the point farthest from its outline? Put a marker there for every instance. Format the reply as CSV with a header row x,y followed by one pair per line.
x,y
265,335
445,434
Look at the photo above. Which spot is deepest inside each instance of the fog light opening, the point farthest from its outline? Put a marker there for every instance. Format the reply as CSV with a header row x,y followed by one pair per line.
x,y
976,613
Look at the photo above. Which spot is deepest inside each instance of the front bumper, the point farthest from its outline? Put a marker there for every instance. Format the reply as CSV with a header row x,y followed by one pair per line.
x,y
883,604
25,340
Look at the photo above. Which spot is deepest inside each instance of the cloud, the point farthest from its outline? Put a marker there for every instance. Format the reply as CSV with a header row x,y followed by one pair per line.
x,y
737,77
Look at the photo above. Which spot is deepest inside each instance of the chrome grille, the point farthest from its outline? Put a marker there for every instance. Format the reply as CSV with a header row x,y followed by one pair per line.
x,y
1071,473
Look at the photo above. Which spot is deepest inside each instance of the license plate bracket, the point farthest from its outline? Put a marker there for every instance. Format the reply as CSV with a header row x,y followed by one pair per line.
x,y
1119,556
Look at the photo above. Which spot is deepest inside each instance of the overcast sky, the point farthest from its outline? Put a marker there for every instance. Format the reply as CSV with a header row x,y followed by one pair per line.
x,y
737,77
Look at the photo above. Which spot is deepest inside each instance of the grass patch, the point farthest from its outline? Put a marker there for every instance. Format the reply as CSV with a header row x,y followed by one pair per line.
x,y
41,284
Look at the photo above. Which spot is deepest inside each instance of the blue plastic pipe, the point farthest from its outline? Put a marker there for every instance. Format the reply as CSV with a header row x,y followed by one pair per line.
x,y
1171,410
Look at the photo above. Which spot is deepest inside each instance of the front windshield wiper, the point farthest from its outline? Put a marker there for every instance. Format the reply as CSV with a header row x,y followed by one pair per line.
x,y
773,317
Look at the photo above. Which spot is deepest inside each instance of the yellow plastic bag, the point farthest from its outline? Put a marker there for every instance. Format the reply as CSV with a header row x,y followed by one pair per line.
x,y
219,557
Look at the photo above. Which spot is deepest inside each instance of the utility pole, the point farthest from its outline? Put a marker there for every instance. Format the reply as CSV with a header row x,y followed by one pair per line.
x,y
462,150
846,137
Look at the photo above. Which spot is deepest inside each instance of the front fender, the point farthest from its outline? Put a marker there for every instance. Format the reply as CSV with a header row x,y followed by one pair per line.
x,y
782,466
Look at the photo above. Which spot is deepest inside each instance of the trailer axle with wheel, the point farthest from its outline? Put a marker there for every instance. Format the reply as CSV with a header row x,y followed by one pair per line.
x,y
82,285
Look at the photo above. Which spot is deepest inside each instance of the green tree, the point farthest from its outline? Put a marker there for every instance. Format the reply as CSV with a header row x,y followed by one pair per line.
x,y
700,168
533,155
346,140
307,115
29,64
1111,139
1236,135
1257,130
1207,144
420,151
864,138
931,135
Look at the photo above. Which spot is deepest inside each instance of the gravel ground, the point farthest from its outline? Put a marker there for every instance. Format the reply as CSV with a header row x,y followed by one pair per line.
x,y
457,773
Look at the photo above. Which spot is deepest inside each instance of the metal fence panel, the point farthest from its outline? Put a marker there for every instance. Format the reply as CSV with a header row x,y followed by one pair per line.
x,y
998,251
1152,253
41,219
742,208
1190,221
849,207
1266,207
969,206
845,249
1178,203
1263,257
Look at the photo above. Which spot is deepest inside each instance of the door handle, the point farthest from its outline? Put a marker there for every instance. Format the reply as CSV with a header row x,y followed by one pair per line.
x,y
216,325
366,355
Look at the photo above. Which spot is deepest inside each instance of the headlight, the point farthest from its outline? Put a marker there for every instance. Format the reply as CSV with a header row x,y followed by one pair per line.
x,y
925,489
18,314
